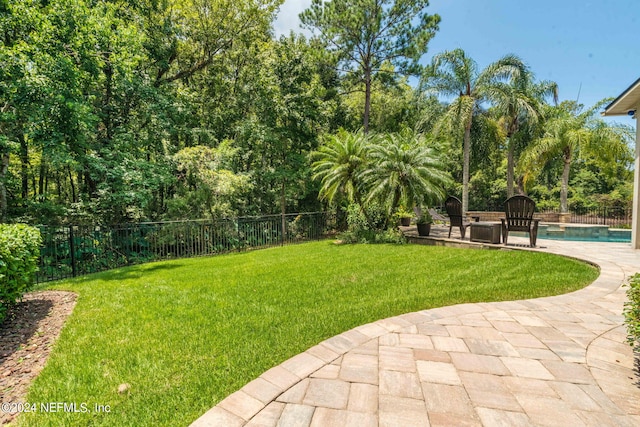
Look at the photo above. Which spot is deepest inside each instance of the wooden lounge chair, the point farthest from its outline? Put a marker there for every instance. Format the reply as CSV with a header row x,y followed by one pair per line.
x,y
437,217
453,205
519,217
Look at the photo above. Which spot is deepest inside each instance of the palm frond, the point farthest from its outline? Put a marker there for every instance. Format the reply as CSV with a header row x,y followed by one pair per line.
x,y
503,69
405,168
338,163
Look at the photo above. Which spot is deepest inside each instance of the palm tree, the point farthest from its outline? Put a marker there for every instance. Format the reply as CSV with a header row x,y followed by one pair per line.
x,y
454,74
571,134
338,164
519,102
404,170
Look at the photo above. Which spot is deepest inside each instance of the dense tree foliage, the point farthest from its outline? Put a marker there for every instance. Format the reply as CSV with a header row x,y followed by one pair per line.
x,y
369,35
173,109
99,97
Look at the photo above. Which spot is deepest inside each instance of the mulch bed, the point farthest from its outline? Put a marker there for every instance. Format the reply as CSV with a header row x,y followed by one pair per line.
x,y
26,338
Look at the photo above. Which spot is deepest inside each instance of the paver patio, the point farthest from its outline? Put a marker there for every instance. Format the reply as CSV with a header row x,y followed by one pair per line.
x,y
554,361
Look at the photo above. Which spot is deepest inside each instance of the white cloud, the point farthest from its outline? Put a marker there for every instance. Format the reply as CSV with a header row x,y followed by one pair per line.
x,y
288,20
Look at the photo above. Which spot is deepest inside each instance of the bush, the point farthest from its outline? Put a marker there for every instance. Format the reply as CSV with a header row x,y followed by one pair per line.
x,y
373,236
632,312
19,251
361,230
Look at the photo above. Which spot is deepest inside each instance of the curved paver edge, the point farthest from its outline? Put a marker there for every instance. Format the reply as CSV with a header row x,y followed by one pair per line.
x,y
241,406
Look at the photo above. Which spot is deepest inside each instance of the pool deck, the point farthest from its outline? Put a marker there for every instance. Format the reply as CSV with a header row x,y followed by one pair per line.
x,y
553,361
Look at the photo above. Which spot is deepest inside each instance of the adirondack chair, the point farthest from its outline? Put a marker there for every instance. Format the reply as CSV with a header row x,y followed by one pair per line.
x,y
453,205
437,217
519,217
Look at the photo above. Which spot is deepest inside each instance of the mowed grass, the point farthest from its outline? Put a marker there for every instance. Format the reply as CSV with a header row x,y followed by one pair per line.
x,y
185,334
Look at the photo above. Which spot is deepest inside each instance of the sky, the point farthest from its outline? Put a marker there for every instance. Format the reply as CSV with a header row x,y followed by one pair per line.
x,y
589,48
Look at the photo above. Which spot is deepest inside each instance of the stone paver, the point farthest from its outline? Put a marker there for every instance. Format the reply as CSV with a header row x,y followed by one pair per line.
x,y
548,361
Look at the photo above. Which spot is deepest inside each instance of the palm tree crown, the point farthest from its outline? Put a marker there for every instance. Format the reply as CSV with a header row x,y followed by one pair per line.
x,y
380,169
570,134
405,169
338,165
454,74
518,102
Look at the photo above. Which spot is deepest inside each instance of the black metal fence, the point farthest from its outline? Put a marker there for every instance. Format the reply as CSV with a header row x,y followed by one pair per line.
x,y
76,250
611,216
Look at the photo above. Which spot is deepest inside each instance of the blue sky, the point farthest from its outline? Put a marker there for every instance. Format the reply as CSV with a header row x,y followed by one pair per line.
x,y
589,48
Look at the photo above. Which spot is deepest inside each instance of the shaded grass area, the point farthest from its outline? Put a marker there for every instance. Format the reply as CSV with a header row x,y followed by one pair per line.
x,y
185,334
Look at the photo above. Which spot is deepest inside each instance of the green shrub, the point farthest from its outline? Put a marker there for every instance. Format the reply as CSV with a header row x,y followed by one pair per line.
x,y
632,311
403,213
371,230
19,251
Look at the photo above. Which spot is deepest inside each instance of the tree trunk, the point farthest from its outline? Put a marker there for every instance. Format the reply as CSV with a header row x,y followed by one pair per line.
x,y
4,167
90,185
367,98
108,95
24,165
510,167
283,210
74,198
520,185
466,153
33,185
160,208
42,179
58,185
564,186
511,162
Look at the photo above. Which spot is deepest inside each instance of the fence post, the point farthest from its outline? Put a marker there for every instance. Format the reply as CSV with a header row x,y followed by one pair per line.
x,y
283,223
72,250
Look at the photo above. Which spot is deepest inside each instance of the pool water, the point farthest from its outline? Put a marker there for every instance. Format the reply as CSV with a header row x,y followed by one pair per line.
x,y
590,239
583,233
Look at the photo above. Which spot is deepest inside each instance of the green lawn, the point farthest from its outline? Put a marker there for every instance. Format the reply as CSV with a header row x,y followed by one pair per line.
x,y
185,334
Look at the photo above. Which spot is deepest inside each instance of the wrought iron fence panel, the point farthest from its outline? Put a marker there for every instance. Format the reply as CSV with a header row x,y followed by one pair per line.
x,y
76,250
612,216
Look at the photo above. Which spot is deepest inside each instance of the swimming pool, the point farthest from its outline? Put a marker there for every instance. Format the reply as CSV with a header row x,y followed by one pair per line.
x,y
583,233
608,239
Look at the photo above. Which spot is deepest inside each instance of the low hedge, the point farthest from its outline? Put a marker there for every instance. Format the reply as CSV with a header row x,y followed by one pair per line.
x,y
632,312
19,252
